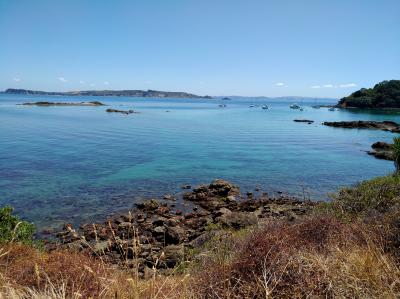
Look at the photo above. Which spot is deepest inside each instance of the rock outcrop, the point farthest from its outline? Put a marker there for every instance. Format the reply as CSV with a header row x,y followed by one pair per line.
x,y
390,126
156,234
382,150
110,110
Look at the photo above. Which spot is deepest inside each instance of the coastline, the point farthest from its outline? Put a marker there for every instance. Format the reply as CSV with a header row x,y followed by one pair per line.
x,y
162,227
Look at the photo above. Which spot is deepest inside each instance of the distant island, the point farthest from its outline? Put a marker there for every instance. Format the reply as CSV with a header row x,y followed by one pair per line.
x,y
125,93
92,103
385,94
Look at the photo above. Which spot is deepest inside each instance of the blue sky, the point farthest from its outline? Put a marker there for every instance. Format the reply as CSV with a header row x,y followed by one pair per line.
x,y
217,47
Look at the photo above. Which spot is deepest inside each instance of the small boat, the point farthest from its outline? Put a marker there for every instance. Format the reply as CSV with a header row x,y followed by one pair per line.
x,y
316,106
264,107
332,109
222,105
301,109
251,106
294,106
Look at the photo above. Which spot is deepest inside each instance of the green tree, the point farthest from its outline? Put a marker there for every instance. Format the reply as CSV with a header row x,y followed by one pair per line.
x,y
12,229
396,154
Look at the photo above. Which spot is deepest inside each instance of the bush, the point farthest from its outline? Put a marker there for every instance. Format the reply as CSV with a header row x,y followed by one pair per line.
x,y
367,199
12,229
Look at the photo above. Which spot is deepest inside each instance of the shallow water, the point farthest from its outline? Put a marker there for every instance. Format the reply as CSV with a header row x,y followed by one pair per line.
x,y
77,164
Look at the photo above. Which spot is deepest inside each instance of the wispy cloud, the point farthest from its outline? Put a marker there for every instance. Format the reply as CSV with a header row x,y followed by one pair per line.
x,y
346,85
62,79
106,83
82,82
92,84
17,79
280,84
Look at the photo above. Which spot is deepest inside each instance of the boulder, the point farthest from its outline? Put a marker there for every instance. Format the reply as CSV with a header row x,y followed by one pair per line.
x,y
237,220
175,235
172,255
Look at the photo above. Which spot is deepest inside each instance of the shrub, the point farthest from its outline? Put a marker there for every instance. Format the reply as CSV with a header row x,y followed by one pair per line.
x,y
367,199
12,229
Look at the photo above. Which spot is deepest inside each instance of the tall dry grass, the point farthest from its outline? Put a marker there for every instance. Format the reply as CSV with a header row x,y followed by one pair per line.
x,y
318,257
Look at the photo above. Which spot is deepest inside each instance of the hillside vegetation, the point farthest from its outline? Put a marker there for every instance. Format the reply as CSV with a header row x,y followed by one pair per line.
x,y
385,94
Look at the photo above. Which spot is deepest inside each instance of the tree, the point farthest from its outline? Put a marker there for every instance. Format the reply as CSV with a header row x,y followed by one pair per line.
x,y
396,154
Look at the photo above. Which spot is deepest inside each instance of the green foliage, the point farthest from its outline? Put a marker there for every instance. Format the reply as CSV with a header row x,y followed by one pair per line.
x,y
376,196
385,94
12,229
396,153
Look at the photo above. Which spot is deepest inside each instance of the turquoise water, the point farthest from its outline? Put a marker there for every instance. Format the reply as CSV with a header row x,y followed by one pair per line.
x,y
76,164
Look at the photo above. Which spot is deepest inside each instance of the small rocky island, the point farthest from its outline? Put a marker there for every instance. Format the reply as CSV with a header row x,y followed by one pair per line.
x,y
92,103
390,126
383,95
308,121
110,110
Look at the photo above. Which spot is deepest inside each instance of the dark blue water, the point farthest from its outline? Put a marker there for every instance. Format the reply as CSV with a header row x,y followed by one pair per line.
x,y
77,164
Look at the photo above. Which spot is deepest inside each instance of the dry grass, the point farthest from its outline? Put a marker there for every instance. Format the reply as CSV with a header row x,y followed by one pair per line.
x,y
318,257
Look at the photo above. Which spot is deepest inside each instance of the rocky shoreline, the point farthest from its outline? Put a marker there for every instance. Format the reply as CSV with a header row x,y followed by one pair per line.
x,y
158,235
389,126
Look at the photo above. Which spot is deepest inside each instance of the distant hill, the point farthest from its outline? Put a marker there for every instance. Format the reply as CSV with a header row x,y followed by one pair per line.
x,y
125,93
385,94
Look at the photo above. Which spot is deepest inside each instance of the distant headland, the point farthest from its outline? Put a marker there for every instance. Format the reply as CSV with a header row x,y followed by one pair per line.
x,y
385,94
125,93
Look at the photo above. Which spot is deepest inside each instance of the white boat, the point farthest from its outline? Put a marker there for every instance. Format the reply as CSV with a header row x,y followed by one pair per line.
x,y
264,107
222,105
332,109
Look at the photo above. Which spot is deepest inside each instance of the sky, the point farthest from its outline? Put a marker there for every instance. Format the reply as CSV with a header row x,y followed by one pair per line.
x,y
318,48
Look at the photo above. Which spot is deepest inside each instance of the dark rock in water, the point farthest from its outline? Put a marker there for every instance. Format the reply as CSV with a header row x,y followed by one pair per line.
x,y
186,187
218,188
149,205
390,126
110,110
380,145
303,121
382,150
